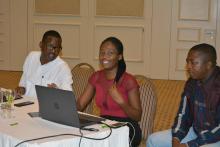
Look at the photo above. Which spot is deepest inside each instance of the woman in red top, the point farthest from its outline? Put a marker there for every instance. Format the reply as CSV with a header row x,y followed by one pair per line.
x,y
117,92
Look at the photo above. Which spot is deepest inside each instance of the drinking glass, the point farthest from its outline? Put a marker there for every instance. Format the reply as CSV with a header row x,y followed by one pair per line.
x,y
7,110
1,101
10,98
1,96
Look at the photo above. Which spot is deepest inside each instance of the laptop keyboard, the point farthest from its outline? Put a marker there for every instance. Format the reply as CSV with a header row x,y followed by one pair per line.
x,y
84,121
89,118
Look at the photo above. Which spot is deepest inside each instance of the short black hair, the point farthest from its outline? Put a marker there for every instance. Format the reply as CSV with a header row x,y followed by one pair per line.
x,y
208,50
51,33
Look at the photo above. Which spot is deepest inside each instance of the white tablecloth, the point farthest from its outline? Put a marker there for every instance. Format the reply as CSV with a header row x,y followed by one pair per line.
x,y
22,127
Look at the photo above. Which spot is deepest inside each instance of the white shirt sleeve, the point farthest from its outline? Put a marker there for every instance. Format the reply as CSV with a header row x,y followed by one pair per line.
x,y
66,78
23,79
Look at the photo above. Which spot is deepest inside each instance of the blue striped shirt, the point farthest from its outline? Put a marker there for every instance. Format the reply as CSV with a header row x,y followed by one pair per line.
x,y
200,109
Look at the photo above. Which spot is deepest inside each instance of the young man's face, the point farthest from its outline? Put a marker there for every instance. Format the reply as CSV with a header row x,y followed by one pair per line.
x,y
50,48
197,65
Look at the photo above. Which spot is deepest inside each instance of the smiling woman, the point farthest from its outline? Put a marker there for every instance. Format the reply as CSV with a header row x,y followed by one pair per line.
x,y
117,92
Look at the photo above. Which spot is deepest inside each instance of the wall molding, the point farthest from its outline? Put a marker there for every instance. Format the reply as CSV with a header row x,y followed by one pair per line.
x,y
61,26
195,31
139,32
118,25
1,59
179,65
55,23
203,18
64,9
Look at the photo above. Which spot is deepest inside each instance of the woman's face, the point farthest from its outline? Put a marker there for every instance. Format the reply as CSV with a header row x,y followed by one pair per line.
x,y
108,56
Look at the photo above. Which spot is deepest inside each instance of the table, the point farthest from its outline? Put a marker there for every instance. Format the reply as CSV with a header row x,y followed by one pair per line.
x,y
22,127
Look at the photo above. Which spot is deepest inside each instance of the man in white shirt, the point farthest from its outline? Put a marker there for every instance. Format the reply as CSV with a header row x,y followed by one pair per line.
x,y
45,68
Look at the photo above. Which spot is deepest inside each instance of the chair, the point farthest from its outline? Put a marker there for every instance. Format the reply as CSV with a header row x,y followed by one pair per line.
x,y
81,73
148,103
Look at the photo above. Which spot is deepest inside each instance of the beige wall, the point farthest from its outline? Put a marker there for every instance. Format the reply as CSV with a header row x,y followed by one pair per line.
x,y
71,7
82,34
160,39
145,32
13,34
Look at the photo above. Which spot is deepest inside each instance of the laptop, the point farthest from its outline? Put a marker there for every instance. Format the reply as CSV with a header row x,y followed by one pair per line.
x,y
60,106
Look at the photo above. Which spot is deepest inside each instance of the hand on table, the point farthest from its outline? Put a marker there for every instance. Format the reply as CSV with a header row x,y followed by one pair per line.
x,y
19,91
52,85
176,143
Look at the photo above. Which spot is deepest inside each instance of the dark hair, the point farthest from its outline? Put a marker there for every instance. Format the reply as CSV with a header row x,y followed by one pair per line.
x,y
208,50
121,63
51,33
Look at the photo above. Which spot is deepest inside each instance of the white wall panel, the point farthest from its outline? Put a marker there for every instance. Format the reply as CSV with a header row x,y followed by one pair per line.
x,y
4,35
160,39
181,55
194,9
1,51
1,6
193,22
189,34
4,6
2,26
18,34
130,36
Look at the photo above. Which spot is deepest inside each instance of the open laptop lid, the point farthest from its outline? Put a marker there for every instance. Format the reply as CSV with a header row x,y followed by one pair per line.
x,y
60,106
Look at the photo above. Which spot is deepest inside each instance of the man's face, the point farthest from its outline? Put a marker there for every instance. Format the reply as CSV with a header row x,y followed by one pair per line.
x,y
50,48
197,65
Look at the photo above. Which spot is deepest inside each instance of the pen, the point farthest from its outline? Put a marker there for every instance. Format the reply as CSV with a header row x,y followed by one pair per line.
x,y
90,129
13,124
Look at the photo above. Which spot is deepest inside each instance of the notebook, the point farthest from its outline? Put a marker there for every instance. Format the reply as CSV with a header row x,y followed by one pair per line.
x,y
60,106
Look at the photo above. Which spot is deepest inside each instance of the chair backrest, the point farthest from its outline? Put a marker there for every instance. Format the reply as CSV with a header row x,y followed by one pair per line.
x,y
81,73
148,102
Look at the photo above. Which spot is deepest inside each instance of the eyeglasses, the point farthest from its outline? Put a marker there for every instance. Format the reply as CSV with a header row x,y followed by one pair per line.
x,y
51,47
